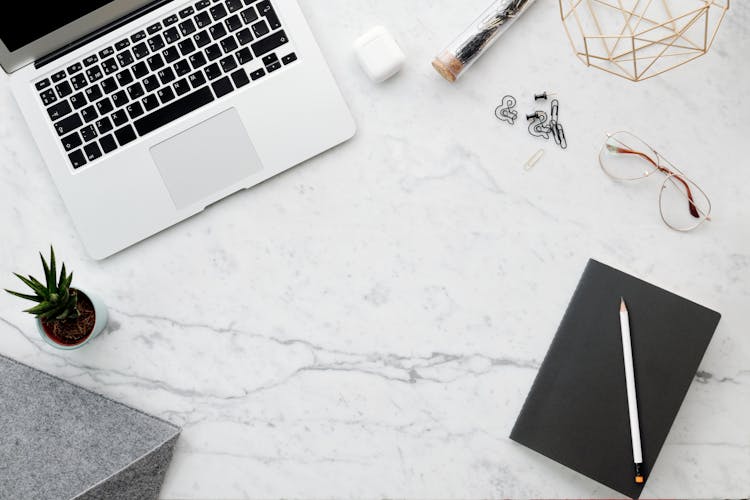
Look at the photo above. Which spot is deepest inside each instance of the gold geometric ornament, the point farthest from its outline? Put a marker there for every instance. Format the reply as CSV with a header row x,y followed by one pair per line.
x,y
639,39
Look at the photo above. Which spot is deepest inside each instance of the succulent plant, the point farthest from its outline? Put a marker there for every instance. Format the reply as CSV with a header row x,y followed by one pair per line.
x,y
55,300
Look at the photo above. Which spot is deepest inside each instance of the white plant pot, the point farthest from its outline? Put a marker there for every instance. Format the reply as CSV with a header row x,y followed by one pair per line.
x,y
102,316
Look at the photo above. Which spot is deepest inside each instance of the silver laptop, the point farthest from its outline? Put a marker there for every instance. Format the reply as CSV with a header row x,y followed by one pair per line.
x,y
147,112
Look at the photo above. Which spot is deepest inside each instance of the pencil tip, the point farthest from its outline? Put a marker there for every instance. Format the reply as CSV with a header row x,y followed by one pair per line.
x,y
622,305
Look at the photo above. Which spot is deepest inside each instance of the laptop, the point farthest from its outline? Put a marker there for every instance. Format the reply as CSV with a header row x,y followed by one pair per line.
x,y
147,112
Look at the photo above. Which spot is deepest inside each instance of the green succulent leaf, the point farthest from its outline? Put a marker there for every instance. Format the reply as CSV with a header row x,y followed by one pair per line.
x,y
34,298
33,284
55,300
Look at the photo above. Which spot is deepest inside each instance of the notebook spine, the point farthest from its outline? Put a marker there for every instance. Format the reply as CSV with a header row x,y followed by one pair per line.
x,y
554,343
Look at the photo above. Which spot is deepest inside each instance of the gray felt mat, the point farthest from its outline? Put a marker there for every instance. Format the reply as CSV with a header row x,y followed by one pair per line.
x,y
60,441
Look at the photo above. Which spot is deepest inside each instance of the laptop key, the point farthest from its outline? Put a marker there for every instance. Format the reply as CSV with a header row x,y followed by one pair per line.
x,y
202,19
249,15
273,67
182,67
63,89
212,71
186,47
155,62
139,70
186,27
257,74
197,79
77,159
108,143
269,43
125,42
119,98
173,110
58,76
217,31
103,125
41,85
150,83
125,135
213,52
124,58
138,36
171,35
186,12
88,133
93,93
218,11
169,21
234,5
78,81
153,28
171,54
228,44
109,66
89,114
240,78
104,53
244,55
78,100
202,4
197,60
260,29
166,75
150,102
156,43
119,117
165,95
92,151
181,86
94,73
228,63
48,97
244,36
57,111
90,60
104,106
134,109
141,50
74,68
270,59
202,38
233,23
71,141
124,77
266,9
135,91
109,85
289,58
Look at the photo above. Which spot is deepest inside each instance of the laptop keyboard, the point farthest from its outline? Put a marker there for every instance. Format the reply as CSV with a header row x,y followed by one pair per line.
x,y
158,74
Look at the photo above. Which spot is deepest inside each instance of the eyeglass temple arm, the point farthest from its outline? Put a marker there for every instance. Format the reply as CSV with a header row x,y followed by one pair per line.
x,y
691,202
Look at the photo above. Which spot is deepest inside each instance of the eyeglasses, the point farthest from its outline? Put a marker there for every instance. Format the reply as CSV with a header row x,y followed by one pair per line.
x,y
683,205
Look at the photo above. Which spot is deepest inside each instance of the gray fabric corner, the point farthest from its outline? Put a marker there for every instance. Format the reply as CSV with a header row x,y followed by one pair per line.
x,y
61,441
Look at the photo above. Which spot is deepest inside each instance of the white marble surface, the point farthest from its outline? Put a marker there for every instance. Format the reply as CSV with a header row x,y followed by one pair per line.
x,y
368,324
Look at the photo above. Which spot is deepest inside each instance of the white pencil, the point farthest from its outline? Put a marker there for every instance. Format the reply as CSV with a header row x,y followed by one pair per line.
x,y
635,428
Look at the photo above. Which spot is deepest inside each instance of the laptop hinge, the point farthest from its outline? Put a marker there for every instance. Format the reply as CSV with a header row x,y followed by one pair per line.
x,y
107,28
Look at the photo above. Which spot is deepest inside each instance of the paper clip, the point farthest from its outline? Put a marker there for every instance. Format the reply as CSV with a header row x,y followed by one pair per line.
x,y
533,160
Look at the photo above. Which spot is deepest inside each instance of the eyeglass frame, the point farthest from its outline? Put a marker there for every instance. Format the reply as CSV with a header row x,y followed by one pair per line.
x,y
671,172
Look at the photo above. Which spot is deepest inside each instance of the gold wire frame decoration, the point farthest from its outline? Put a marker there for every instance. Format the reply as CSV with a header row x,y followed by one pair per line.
x,y
639,39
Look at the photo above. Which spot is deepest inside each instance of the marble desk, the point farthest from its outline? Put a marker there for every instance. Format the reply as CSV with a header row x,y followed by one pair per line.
x,y
369,323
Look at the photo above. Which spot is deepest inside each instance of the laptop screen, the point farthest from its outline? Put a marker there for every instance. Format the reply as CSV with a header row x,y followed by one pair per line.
x,y
30,21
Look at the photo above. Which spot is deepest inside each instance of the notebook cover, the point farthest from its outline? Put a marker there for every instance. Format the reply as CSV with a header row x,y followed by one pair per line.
x,y
577,411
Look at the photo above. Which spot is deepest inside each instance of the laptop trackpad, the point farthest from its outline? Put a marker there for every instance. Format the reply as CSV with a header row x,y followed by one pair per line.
x,y
206,158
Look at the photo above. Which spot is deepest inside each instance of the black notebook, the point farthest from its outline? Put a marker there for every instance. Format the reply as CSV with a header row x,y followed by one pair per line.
x,y
577,411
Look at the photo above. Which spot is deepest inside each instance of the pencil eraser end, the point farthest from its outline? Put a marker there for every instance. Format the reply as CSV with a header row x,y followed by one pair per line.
x,y
379,54
639,479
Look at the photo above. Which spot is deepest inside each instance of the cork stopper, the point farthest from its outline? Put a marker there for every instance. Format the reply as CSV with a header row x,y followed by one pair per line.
x,y
448,66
